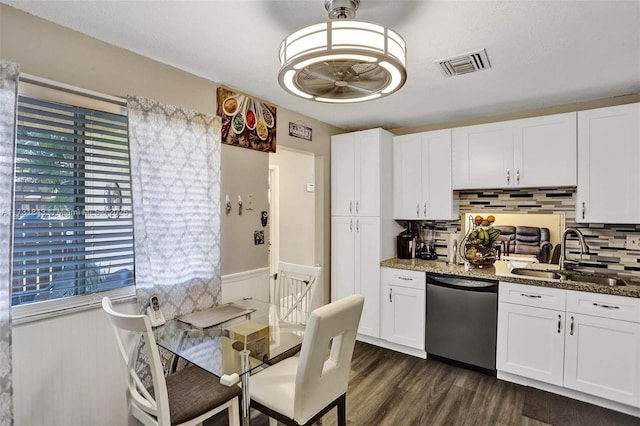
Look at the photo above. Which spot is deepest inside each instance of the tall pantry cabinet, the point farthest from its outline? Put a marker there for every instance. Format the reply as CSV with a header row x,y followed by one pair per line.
x,y
362,227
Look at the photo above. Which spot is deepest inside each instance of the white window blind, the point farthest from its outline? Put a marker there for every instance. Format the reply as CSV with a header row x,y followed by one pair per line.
x,y
73,224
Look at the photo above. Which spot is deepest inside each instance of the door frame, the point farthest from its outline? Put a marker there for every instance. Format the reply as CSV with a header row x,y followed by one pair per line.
x,y
274,219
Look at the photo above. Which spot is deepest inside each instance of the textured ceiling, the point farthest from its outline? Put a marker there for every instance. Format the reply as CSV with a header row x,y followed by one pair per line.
x,y
542,53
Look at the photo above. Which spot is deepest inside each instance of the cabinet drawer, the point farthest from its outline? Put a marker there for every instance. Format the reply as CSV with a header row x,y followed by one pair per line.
x,y
403,278
604,305
531,295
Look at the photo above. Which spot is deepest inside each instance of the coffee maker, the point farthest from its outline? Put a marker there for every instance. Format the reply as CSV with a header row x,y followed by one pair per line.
x,y
426,248
407,242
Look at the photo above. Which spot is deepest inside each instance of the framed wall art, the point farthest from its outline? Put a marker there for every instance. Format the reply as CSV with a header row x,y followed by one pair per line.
x,y
246,122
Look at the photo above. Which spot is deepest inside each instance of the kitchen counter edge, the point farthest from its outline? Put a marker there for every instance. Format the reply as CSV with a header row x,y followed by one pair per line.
x,y
444,268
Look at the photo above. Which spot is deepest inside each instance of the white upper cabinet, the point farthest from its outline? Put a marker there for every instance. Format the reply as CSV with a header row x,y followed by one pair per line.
x,y
608,158
422,185
355,165
545,151
531,152
342,174
483,156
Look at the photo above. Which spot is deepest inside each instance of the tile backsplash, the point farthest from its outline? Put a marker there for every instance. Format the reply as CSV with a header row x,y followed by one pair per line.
x,y
607,243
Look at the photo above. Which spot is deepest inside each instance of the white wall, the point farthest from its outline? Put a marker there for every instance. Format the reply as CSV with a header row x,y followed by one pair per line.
x,y
67,371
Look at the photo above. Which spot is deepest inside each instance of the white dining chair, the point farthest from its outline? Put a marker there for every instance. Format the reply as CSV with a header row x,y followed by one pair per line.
x,y
300,390
295,290
186,397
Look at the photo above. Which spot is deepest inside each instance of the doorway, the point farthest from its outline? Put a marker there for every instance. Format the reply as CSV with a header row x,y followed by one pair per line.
x,y
291,207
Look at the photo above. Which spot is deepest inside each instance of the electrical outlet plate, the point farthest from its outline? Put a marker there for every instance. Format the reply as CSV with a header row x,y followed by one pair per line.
x,y
633,241
258,237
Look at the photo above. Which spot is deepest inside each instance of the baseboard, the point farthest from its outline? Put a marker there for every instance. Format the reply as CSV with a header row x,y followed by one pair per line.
x,y
253,283
392,346
570,393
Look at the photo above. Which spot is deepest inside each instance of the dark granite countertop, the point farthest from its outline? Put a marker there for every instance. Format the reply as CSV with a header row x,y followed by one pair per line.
x,y
500,271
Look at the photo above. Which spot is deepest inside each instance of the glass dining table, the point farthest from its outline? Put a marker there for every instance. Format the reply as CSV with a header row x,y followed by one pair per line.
x,y
256,338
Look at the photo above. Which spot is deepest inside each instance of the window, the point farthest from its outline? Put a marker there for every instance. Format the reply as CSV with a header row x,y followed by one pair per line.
x,y
73,224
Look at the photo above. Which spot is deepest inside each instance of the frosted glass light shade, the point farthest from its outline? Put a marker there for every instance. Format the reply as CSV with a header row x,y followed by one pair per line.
x,y
343,61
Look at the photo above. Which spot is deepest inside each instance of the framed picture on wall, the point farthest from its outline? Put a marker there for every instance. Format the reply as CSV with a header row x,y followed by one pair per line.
x,y
246,122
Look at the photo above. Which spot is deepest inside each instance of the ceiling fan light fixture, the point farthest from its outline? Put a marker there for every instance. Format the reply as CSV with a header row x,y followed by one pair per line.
x,y
343,60
347,56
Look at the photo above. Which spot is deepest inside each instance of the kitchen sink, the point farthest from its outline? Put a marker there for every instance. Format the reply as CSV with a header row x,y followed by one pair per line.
x,y
595,279
571,276
536,273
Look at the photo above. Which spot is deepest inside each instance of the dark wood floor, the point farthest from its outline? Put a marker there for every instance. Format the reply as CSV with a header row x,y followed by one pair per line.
x,y
389,388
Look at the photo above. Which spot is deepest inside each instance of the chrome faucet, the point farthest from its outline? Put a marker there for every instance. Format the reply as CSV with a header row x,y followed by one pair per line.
x,y
563,246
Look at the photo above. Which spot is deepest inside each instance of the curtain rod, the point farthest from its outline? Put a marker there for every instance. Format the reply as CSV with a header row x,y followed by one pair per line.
x,y
51,84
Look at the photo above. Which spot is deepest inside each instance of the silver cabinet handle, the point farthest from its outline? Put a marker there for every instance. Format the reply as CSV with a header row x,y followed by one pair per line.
x,y
534,296
357,206
559,322
571,329
390,299
425,209
351,225
405,278
508,175
357,225
418,210
584,208
517,175
350,206
606,306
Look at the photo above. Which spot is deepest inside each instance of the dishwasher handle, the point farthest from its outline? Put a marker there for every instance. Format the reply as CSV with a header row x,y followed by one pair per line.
x,y
465,284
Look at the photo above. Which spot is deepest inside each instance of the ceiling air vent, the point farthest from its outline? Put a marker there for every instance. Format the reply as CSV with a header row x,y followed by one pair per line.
x,y
464,64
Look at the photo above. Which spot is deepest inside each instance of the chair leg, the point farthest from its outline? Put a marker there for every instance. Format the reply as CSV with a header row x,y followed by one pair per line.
x,y
273,422
234,413
342,411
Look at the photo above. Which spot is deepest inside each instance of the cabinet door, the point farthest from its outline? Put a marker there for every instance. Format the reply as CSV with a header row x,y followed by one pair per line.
x,y
342,175
608,157
483,156
367,273
531,342
407,177
437,185
603,358
545,151
403,315
342,257
367,173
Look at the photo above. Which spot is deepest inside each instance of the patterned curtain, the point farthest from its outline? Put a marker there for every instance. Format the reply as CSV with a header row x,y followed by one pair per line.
x,y
175,168
8,93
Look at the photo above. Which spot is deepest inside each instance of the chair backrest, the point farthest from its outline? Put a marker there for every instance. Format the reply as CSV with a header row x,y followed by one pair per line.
x,y
320,379
530,240
129,329
296,289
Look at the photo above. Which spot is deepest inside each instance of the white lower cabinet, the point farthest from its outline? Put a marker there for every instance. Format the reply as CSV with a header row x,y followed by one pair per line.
x,y
601,358
602,346
403,306
531,342
592,345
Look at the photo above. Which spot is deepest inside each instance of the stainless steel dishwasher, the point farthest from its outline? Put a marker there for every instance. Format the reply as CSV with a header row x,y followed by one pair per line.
x,y
461,320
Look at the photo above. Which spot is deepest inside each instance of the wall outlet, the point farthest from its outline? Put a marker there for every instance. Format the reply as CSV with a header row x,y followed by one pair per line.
x,y
258,237
250,202
633,241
